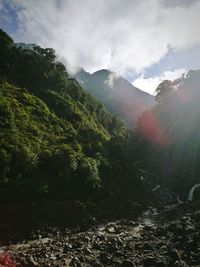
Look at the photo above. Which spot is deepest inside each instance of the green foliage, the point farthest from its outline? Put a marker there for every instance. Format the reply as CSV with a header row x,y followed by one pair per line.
x,y
89,170
171,133
5,39
164,91
56,141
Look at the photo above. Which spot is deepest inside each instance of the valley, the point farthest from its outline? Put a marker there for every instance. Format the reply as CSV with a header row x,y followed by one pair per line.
x,y
93,171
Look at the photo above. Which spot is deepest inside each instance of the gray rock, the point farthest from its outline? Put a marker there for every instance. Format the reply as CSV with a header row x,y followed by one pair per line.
x,y
149,261
128,263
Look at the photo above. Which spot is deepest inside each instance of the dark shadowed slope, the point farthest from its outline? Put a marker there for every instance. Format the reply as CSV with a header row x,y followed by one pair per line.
x,y
171,133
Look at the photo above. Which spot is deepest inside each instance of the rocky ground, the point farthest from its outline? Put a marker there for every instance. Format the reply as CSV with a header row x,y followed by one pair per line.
x,y
162,236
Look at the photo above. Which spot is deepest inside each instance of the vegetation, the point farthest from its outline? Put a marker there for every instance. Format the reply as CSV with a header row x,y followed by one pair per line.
x,y
118,95
169,134
56,141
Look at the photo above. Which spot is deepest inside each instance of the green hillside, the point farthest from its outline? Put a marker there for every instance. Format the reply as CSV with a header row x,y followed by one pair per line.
x,y
57,142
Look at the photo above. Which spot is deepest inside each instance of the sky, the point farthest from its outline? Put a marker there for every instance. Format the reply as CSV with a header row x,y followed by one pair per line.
x,y
144,41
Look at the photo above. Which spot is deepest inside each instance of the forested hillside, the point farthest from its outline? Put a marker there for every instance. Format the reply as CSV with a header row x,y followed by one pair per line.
x,y
169,135
57,141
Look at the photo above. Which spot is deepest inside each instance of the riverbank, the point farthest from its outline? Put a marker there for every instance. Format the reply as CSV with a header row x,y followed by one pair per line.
x,y
161,236
20,221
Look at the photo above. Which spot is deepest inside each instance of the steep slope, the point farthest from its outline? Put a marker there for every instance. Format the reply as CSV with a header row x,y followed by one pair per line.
x,y
171,133
118,95
57,141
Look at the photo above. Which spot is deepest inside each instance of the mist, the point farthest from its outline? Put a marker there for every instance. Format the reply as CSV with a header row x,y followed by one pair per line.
x,y
127,37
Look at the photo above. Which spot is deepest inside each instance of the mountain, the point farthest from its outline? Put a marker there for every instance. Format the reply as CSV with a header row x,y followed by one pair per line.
x,y
118,95
56,140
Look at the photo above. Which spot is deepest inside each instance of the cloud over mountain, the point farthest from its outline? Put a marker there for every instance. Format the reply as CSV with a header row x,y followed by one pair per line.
x,y
149,84
125,36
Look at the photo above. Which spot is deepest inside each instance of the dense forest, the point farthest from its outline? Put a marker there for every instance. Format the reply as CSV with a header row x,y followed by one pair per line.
x,y
168,135
57,141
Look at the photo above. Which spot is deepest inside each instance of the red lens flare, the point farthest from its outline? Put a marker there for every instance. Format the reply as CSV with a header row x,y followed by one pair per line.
x,y
151,129
6,260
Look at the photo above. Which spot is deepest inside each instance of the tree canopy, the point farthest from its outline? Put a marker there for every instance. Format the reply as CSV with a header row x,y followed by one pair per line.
x,y
56,141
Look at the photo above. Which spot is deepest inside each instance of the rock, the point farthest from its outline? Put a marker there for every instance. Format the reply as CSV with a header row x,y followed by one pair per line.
x,y
97,264
67,247
149,261
160,264
148,228
147,246
128,263
111,229
75,262
176,227
77,244
180,264
116,262
111,247
12,248
88,259
161,231
196,215
105,258
119,253
33,262
189,229
115,244
52,257
87,250
131,223
86,239
174,256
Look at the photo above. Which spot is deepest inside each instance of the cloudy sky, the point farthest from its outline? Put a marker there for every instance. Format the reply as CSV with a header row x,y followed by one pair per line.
x,y
145,41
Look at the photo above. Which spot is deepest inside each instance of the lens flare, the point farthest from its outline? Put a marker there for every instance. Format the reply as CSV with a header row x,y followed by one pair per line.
x,y
150,128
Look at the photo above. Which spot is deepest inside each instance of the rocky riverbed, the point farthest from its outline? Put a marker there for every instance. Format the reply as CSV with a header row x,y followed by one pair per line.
x,y
162,236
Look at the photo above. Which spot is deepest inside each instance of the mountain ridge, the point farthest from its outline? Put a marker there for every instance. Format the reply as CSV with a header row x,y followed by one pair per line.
x,y
118,95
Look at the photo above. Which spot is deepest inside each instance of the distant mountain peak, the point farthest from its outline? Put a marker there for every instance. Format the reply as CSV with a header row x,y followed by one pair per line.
x,y
117,94
102,71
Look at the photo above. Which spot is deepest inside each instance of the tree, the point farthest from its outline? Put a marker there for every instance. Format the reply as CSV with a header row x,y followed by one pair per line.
x,y
5,39
164,90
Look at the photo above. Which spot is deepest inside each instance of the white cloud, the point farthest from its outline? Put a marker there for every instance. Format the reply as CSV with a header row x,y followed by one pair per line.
x,y
149,84
1,5
111,79
4,16
122,35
